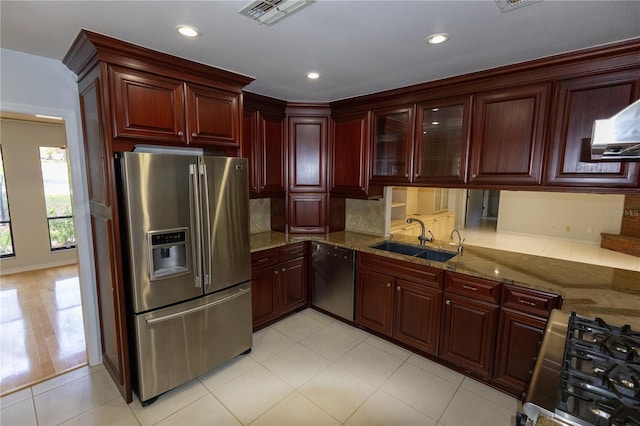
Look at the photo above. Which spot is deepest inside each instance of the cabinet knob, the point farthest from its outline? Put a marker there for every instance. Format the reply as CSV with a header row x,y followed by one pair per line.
x,y
474,175
406,175
180,133
447,302
194,134
276,272
388,284
282,269
398,288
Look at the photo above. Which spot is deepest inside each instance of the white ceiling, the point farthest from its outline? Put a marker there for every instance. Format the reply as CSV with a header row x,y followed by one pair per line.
x,y
358,47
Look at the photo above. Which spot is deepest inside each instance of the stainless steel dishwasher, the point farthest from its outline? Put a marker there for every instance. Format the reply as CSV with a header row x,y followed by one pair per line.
x,y
333,279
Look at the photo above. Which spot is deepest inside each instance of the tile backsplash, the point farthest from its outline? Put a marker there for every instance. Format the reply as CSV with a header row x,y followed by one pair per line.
x,y
260,215
366,216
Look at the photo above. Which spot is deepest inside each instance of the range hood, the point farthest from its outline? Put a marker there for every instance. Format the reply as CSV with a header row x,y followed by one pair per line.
x,y
617,138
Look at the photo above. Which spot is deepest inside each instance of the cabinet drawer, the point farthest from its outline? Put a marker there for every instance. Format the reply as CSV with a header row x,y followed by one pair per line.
x,y
472,287
535,302
405,270
264,258
291,251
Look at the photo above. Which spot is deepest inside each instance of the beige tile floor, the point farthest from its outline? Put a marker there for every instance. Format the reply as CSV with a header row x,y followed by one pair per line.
x,y
308,369
583,252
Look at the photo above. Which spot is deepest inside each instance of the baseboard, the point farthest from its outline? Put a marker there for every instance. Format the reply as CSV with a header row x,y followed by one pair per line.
x,y
9,271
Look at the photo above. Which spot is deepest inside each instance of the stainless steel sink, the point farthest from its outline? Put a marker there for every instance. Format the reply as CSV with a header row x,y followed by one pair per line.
x,y
415,251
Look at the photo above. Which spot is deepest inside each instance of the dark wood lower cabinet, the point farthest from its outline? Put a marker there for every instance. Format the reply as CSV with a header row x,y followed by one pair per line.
x,y
374,301
278,282
468,333
408,311
517,348
417,315
264,295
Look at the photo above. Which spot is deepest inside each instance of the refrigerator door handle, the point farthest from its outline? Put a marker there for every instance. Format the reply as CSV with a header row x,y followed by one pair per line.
x,y
206,219
239,293
194,217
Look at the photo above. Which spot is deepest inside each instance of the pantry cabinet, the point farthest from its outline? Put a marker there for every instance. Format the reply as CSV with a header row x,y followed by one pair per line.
x,y
507,136
580,101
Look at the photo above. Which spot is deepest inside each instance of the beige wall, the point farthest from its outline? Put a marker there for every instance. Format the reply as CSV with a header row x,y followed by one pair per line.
x,y
20,149
560,215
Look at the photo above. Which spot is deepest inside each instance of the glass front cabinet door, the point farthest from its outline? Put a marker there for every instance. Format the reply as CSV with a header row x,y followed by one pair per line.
x,y
442,138
392,145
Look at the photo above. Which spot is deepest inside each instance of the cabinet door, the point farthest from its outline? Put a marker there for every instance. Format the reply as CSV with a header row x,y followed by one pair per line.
x,y
468,333
250,149
507,136
308,152
518,338
213,116
147,106
392,145
417,315
349,148
374,301
580,102
271,140
442,141
307,213
293,286
265,304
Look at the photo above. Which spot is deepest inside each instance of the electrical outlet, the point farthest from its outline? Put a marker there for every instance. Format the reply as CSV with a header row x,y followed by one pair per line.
x,y
589,230
567,228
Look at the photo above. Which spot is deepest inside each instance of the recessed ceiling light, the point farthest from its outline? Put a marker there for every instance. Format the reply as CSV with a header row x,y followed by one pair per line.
x,y
437,38
187,31
313,75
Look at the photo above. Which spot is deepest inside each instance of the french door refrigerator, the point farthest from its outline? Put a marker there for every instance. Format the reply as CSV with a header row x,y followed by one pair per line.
x,y
188,265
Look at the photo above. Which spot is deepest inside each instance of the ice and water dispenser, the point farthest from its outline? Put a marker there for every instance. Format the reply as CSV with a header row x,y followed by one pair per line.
x,y
168,253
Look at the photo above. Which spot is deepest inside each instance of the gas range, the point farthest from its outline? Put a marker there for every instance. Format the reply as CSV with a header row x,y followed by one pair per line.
x,y
587,373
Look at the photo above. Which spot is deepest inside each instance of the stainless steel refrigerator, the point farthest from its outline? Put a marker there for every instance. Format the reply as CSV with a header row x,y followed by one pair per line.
x,y
188,261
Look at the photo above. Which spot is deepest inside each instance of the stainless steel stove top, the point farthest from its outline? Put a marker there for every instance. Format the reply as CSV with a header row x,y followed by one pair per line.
x,y
587,373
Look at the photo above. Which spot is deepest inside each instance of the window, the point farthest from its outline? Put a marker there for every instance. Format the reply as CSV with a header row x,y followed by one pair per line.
x,y
6,237
57,195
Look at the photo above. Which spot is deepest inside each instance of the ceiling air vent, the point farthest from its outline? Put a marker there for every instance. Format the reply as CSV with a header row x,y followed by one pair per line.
x,y
271,11
507,5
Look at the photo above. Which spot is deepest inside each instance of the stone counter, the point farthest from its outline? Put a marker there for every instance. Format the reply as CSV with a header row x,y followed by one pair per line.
x,y
589,290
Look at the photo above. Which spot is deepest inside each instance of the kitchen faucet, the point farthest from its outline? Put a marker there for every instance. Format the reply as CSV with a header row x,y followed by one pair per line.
x,y
423,239
460,240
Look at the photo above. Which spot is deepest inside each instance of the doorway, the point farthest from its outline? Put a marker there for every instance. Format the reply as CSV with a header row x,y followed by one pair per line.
x,y
40,298
482,209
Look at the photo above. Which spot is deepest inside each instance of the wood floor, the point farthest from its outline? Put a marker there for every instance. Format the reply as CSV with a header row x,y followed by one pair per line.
x,y
41,328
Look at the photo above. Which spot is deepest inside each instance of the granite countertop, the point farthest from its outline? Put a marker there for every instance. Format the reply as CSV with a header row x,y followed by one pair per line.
x,y
589,290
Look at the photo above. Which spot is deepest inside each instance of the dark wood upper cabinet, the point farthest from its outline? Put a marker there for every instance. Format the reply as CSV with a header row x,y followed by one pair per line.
x,y
350,157
263,143
155,108
580,101
308,150
507,136
147,106
213,116
442,141
392,145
